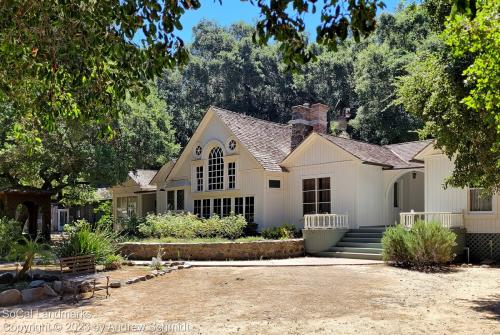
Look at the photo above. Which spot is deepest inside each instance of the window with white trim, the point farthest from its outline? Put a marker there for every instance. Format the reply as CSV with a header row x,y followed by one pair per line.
x,y
197,208
238,206
180,200
249,209
170,200
206,208
226,207
217,207
316,196
216,169
480,202
231,174
199,178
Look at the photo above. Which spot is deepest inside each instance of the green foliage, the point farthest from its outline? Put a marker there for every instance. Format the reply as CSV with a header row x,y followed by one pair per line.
x,y
113,262
10,234
105,209
82,240
425,244
188,226
26,251
285,231
71,160
395,248
453,86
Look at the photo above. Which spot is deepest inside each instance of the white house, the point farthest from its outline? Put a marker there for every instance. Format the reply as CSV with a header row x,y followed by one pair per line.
x,y
296,173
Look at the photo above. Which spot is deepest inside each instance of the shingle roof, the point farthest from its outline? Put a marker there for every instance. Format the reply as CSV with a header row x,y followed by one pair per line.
x,y
396,156
143,177
268,142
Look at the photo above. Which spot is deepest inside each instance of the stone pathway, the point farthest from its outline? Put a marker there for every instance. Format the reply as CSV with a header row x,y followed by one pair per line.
x,y
299,261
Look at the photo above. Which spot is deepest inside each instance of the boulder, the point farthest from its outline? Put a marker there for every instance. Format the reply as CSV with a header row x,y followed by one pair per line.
x,y
176,263
36,283
10,297
46,277
6,278
33,294
142,278
149,276
155,273
115,284
129,281
49,292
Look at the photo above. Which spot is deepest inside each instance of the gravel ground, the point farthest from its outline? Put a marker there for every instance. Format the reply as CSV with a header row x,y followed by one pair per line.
x,y
355,299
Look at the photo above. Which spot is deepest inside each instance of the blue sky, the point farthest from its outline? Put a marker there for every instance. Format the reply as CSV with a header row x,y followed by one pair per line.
x,y
234,11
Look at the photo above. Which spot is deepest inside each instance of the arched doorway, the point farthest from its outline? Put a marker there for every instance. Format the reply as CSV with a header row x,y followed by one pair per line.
x,y
405,193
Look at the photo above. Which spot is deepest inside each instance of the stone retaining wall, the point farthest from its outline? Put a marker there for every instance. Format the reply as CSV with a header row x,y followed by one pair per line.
x,y
215,251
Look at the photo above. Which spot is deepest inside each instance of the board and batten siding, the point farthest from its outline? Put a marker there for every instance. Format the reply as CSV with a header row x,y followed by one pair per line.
x,y
370,195
250,176
316,160
439,199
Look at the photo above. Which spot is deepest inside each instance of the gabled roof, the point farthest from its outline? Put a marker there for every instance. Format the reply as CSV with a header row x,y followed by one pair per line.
x,y
162,173
143,177
395,156
267,141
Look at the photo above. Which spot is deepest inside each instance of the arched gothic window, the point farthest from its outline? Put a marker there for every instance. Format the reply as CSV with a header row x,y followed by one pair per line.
x,y
216,169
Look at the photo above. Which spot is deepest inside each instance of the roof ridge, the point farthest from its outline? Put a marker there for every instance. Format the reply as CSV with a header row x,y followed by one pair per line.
x,y
249,116
401,143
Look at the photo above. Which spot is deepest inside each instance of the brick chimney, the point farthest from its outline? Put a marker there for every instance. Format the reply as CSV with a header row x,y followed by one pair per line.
x,y
307,118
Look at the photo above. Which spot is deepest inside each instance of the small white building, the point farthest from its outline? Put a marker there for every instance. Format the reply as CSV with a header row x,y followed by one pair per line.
x,y
281,173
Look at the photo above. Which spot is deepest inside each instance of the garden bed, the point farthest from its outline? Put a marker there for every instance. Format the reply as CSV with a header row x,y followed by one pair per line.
x,y
231,250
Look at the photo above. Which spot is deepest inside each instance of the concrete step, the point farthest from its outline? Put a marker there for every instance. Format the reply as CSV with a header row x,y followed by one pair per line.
x,y
361,240
376,251
359,245
369,230
368,235
339,254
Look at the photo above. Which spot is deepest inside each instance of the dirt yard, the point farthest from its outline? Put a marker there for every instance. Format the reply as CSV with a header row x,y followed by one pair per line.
x,y
370,299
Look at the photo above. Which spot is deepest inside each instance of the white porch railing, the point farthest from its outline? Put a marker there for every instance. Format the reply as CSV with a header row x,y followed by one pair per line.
x,y
326,221
447,219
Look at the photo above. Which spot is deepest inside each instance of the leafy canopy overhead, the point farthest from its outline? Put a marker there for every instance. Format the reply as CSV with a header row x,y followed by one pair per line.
x,y
454,87
77,59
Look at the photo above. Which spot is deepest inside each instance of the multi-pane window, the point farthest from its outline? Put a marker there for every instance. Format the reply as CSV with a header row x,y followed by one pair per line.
x,y
218,207
238,206
206,208
231,173
170,200
180,200
199,178
316,196
249,209
216,169
480,202
197,208
226,206
126,207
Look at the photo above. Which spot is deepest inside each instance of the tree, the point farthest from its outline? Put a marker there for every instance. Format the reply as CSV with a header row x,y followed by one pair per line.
x,y
454,89
74,154
77,60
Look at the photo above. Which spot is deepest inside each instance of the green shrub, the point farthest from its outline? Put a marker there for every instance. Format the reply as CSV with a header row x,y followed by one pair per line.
x,y
82,240
394,244
425,244
285,231
188,226
113,262
10,234
431,244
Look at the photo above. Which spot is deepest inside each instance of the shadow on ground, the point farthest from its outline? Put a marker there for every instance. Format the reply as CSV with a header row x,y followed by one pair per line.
x,y
489,306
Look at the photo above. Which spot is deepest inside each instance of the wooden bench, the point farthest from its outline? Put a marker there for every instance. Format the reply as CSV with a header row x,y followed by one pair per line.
x,y
77,270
